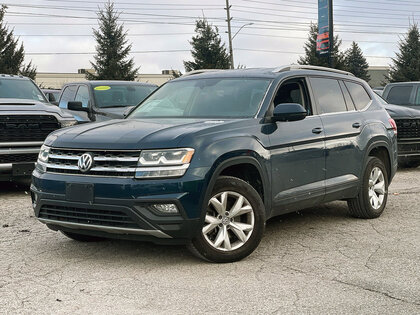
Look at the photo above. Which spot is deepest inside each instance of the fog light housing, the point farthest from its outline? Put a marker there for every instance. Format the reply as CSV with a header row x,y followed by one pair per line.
x,y
165,208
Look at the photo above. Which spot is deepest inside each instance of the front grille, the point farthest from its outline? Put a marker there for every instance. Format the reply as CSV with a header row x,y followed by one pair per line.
x,y
20,128
18,158
109,218
106,162
408,128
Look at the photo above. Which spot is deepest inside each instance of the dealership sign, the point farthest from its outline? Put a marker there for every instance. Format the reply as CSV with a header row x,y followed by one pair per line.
x,y
323,38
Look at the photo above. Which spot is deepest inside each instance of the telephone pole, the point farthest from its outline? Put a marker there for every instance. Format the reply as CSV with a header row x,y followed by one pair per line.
x,y
229,33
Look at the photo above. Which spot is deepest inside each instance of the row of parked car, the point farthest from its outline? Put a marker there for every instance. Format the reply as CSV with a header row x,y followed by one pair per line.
x,y
206,159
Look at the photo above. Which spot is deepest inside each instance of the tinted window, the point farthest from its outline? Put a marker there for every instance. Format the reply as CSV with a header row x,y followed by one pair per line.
x,y
68,95
399,95
293,91
20,88
328,94
82,95
212,98
359,95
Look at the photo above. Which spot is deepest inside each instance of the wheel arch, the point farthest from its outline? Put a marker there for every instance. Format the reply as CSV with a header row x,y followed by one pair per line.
x,y
230,165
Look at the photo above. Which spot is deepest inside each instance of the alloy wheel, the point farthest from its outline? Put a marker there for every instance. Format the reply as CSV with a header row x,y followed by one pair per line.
x,y
229,221
376,188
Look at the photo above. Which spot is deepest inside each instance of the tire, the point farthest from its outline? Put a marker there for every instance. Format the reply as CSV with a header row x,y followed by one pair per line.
x,y
230,233
82,237
365,205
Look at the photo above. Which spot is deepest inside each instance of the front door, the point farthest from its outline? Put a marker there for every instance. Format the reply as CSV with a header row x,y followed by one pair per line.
x,y
297,153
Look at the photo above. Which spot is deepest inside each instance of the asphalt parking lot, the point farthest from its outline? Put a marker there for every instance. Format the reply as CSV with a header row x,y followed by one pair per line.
x,y
318,260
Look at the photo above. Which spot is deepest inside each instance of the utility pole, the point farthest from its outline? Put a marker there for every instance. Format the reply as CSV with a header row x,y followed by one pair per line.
x,y
229,33
331,34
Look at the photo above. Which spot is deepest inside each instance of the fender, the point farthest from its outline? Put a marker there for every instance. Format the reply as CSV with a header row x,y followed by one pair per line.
x,y
227,160
375,144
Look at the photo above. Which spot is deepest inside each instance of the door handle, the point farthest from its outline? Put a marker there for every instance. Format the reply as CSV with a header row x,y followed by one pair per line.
x,y
356,125
317,130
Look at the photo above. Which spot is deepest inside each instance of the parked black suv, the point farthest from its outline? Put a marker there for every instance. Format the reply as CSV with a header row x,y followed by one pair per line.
x,y
406,112
102,100
26,119
208,158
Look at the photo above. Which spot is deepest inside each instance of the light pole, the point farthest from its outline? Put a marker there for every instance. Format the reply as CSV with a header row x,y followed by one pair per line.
x,y
230,43
240,29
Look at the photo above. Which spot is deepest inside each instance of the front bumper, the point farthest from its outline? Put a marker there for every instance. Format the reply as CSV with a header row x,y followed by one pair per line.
x,y
120,207
409,150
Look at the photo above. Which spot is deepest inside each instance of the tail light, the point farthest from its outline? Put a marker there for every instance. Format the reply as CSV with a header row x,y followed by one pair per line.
x,y
393,125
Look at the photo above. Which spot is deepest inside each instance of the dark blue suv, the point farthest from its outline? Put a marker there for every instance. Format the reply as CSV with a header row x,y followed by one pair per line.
x,y
208,158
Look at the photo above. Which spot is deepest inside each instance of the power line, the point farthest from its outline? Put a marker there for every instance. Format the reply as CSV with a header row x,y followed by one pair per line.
x,y
93,53
292,52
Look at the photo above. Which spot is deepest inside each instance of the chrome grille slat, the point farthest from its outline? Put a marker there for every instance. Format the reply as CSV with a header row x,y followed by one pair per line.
x,y
118,163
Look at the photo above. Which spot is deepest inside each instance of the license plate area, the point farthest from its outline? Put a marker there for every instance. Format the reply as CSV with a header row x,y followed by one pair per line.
x,y
79,192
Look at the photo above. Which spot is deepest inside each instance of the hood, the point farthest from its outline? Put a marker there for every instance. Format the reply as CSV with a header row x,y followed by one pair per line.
x,y
134,134
399,111
23,106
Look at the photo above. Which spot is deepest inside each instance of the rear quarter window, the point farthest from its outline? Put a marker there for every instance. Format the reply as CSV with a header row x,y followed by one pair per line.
x,y
358,94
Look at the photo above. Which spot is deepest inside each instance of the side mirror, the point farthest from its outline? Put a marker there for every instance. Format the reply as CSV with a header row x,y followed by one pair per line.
x,y
289,112
128,111
77,106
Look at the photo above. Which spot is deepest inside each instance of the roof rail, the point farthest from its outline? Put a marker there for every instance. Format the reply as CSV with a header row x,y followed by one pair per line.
x,y
307,67
200,71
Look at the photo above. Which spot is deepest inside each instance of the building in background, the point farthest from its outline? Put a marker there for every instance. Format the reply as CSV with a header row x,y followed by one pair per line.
x,y
50,80
378,75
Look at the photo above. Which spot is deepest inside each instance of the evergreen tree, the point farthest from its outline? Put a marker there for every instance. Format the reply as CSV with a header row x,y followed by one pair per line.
x,y
356,63
315,59
406,64
207,50
111,60
11,54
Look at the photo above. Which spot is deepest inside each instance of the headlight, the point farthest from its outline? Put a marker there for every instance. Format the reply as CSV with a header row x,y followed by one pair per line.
x,y
68,123
164,163
43,154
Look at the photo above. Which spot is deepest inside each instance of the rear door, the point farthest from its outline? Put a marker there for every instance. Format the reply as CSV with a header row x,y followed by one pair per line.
x,y
342,125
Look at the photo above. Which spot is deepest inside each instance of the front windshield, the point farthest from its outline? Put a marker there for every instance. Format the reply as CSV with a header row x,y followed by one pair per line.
x,y
120,95
21,88
207,98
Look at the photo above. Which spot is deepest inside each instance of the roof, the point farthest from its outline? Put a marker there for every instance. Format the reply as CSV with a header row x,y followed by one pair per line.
x,y
111,82
12,76
270,72
404,83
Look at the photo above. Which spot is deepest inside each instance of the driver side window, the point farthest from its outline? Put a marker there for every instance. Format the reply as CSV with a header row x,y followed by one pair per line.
x,y
293,91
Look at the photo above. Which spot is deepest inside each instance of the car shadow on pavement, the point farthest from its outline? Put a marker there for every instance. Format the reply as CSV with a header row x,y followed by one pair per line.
x,y
285,228
8,188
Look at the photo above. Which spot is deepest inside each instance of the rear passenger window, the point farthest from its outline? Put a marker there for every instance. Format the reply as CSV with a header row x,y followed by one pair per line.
x,y
359,95
399,95
328,94
67,95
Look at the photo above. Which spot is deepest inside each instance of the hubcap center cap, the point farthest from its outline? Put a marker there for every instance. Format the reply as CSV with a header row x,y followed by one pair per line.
x,y
225,221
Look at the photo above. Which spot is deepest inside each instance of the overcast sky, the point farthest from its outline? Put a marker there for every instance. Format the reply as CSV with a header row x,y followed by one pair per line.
x,y
276,36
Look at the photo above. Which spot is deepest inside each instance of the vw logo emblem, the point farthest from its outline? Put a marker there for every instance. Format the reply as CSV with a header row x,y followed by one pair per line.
x,y
85,162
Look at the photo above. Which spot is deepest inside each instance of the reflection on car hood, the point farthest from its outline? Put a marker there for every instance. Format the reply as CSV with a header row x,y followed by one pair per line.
x,y
398,111
22,106
138,133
